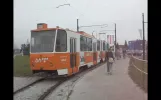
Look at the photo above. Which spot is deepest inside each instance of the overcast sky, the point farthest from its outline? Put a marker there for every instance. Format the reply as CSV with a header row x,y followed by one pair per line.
x,y
127,14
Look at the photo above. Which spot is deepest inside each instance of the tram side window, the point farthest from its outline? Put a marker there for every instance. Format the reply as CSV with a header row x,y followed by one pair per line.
x,y
32,41
103,46
83,44
98,45
94,46
107,46
89,44
61,41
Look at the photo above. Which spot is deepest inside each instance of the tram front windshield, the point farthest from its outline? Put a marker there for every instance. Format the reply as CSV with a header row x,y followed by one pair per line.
x,y
42,41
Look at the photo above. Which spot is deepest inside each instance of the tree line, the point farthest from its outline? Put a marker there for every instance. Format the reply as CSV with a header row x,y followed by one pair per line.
x,y
25,49
125,45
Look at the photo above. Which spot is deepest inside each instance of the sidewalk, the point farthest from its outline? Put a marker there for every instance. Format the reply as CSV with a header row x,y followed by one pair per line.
x,y
98,85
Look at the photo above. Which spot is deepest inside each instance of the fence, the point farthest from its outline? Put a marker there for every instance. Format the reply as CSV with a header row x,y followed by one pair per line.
x,y
138,72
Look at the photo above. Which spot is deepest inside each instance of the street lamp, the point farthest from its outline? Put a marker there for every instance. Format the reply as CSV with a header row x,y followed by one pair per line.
x,y
115,35
95,25
78,27
92,32
101,33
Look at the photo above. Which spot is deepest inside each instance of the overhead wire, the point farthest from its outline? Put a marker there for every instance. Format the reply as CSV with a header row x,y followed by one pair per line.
x,y
83,14
79,12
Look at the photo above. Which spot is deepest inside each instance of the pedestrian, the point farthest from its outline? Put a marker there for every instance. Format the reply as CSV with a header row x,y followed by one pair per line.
x,y
110,59
124,53
118,54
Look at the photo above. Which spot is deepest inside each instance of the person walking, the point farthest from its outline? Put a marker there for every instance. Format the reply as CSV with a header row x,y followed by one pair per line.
x,y
124,53
118,54
110,59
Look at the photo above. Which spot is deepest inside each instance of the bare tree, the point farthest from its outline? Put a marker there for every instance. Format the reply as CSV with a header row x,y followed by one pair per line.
x,y
117,46
125,45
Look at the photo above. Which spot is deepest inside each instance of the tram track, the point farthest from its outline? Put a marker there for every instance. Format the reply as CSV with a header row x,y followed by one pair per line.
x,y
44,87
27,86
73,78
43,96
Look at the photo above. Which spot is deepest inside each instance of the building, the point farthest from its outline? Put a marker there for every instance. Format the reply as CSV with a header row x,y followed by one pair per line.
x,y
136,45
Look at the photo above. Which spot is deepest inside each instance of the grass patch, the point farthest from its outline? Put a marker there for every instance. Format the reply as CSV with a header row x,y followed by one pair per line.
x,y
22,66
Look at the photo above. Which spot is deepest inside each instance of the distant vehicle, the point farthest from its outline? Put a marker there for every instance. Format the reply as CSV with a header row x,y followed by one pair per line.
x,y
64,52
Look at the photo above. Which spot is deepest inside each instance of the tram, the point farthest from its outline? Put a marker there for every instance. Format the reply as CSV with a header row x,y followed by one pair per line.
x,y
62,51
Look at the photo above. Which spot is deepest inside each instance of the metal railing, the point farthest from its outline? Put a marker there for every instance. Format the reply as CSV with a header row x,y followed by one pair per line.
x,y
138,71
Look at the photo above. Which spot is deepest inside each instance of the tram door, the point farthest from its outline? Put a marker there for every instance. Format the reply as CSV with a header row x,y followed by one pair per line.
x,y
94,53
73,54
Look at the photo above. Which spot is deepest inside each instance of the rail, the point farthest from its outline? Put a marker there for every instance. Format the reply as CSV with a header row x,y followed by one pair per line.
x,y
139,69
138,72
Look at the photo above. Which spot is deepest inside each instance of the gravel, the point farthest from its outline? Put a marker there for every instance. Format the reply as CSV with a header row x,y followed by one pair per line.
x,y
35,91
64,90
20,82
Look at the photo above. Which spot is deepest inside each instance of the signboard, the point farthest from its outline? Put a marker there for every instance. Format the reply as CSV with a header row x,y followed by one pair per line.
x,y
110,39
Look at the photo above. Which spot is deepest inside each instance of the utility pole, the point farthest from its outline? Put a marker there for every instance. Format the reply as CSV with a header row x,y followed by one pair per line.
x,y
77,25
115,39
143,38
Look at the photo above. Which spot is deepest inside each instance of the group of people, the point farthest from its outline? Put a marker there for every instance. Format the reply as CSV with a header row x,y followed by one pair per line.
x,y
118,53
110,59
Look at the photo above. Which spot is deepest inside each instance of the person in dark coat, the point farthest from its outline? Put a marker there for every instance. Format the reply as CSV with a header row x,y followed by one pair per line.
x,y
110,58
124,52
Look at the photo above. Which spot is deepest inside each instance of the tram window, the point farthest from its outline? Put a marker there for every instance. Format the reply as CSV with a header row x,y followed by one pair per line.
x,y
42,41
107,46
83,44
98,45
32,41
103,46
94,46
61,41
71,43
89,44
